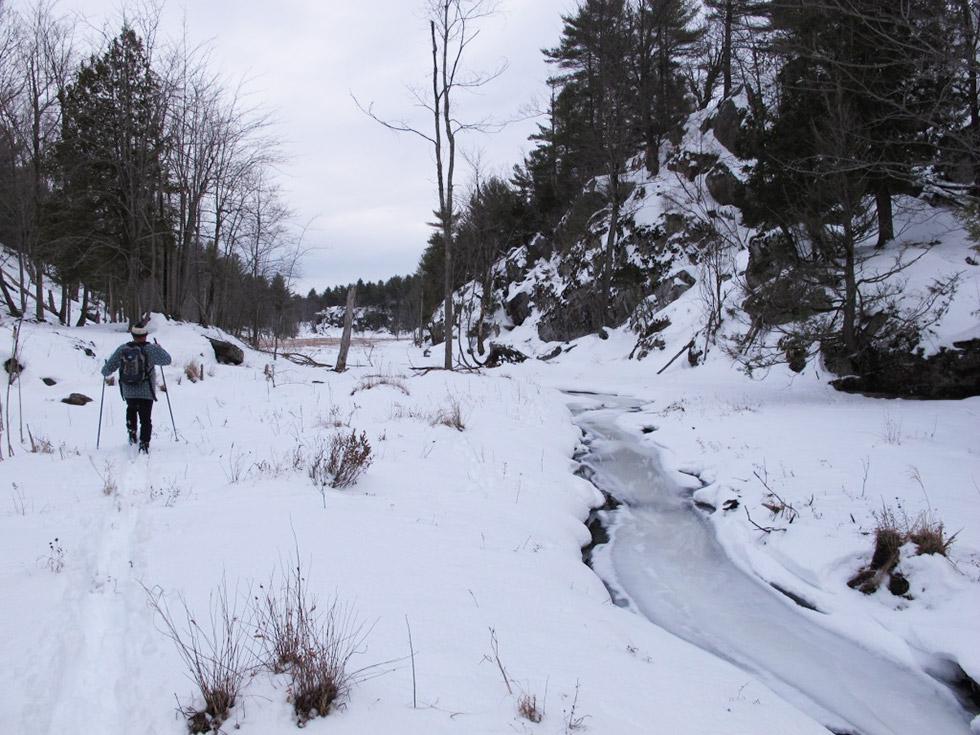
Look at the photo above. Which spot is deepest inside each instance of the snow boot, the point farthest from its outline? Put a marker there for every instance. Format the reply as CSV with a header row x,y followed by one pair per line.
x,y
132,438
144,448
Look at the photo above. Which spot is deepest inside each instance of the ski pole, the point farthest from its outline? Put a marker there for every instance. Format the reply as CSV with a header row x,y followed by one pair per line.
x,y
167,392
98,436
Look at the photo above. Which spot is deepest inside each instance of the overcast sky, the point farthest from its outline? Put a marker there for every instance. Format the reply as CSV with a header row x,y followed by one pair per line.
x,y
367,191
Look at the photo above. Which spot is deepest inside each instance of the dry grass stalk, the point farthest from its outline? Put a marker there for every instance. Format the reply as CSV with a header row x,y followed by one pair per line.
x,y
39,444
451,416
527,707
930,537
109,485
194,371
372,381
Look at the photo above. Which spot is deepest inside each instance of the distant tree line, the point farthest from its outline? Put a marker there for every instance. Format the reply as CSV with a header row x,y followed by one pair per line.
x,y
397,302
138,180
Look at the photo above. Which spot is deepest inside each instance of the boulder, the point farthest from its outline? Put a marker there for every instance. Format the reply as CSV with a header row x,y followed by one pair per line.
x,y
519,308
727,125
502,354
76,399
551,355
226,353
724,187
949,374
13,367
570,320
691,164
437,334
784,300
670,290
49,381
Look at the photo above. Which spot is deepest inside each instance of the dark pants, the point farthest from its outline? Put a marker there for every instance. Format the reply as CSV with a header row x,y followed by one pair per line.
x,y
141,407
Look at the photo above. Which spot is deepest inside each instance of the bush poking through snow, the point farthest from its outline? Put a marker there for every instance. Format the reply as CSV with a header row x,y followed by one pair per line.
x,y
109,485
283,612
39,444
313,646
348,458
891,534
527,707
320,676
930,537
194,371
451,416
889,538
216,655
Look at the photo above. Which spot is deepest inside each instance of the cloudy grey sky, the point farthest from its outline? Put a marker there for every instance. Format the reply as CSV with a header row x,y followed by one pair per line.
x,y
367,191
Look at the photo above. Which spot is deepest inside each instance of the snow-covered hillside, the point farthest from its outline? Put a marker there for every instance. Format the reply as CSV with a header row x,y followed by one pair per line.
x,y
683,232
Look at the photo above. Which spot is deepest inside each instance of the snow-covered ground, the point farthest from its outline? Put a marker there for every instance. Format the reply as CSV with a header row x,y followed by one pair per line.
x,y
464,536
459,532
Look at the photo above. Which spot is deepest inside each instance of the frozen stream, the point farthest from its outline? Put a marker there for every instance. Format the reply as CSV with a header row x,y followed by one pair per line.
x,y
664,558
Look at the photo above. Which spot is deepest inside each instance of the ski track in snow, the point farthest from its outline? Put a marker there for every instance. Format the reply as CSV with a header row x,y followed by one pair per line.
x,y
666,561
96,684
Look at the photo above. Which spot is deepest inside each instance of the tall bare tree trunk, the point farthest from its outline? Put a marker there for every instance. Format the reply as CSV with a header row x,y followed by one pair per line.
x,y
11,304
849,330
609,260
341,365
444,176
83,312
970,34
886,226
22,284
38,291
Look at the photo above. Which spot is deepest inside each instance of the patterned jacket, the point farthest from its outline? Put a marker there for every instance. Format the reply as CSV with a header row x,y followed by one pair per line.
x,y
146,390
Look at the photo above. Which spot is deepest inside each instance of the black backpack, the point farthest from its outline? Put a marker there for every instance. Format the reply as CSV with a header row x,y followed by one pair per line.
x,y
135,367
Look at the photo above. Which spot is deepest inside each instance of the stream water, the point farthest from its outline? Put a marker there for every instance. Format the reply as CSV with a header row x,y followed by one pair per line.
x,y
664,561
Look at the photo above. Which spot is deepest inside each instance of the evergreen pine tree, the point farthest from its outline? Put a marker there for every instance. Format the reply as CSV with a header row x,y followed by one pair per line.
x,y
111,179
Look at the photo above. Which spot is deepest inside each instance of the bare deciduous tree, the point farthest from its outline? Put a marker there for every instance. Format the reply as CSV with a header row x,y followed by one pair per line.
x,y
452,28
36,60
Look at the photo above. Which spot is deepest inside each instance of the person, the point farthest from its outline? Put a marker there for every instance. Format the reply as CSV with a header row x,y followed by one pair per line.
x,y
136,362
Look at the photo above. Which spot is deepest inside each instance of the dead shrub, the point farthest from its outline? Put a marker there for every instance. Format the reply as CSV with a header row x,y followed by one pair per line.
x,y
451,416
194,371
348,458
109,485
527,707
334,419
398,411
216,655
891,534
373,381
312,644
889,539
321,678
930,537
283,611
